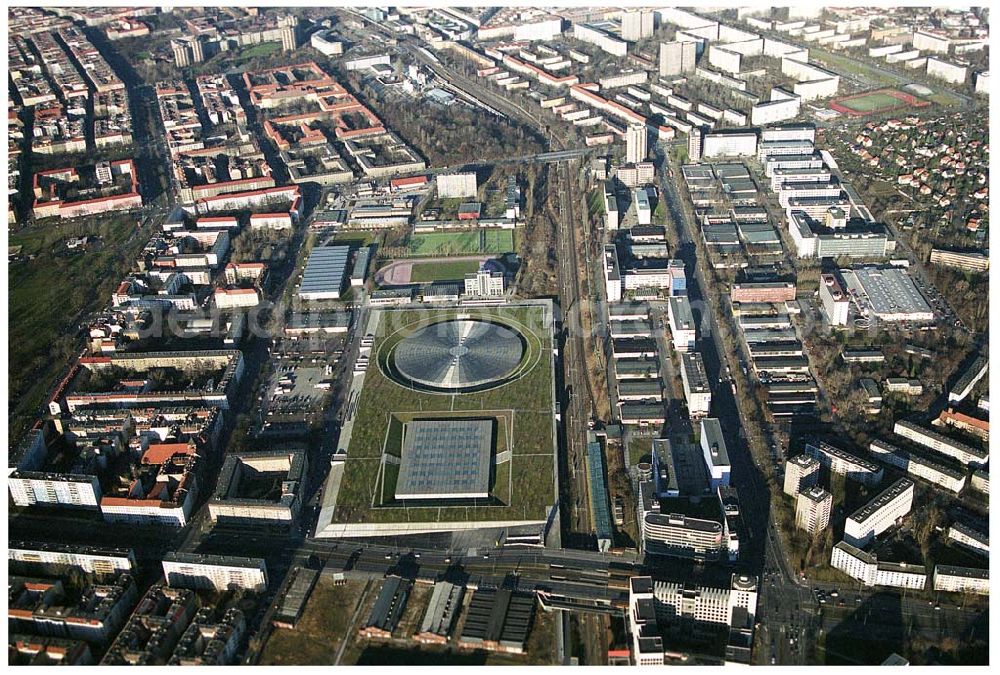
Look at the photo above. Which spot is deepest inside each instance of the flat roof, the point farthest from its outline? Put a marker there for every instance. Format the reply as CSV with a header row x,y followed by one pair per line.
x,y
712,437
881,500
888,291
967,572
694,368
444,459
325,270
681,465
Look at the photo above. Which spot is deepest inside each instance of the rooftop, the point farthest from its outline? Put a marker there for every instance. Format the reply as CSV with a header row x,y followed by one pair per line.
x,y
445,459
881,500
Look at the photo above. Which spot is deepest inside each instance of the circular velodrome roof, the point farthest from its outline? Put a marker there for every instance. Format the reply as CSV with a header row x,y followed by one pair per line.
x,y
458,354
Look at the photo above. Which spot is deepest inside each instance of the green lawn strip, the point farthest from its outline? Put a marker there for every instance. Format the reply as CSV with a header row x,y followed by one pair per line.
x,y
639,448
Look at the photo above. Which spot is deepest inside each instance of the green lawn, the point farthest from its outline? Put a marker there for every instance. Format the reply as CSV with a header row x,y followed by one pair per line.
x,y
442,271
47,295
848,67
262,49
530,398
466,242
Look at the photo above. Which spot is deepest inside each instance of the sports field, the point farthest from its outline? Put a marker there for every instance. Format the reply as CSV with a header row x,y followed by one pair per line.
x,y
442,271
462,243
882,100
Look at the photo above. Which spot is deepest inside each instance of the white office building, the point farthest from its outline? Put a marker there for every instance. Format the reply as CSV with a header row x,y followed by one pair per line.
x,y
836,304
949,72
643,213
683,331
879,514
612,274
484,284
696,390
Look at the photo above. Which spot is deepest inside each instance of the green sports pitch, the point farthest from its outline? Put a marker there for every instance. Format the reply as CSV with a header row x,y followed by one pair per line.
x,y
871,102
468,242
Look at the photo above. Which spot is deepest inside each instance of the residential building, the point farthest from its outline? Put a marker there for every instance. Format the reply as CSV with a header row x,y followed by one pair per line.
x,y
867,569
222,573
154,628
677,58
936,472
812,509
92,614
966,454
841,462
210,640
969,538
953,579
801,472
90,559
636,25
713,446
635,143
880,513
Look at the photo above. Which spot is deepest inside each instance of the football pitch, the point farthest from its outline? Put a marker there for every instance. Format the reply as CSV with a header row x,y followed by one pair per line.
x,y
468,242
871,102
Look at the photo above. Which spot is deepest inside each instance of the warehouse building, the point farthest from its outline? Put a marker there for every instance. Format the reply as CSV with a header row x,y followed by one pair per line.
x,y
324,274
879,514
887,293
388,608
442,611
498,620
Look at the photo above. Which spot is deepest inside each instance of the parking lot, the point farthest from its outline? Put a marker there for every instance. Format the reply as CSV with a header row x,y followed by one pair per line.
x,y
296,389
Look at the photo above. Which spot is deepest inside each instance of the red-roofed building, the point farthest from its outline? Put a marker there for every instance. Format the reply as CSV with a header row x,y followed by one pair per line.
x,y
408,183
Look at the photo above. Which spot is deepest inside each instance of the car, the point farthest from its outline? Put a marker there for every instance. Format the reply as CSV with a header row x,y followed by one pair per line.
x,y
937,608
388,556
